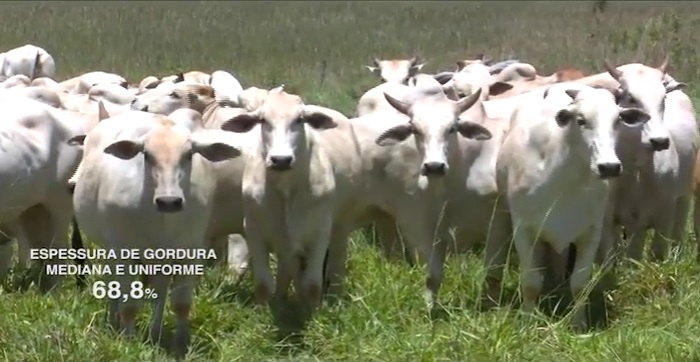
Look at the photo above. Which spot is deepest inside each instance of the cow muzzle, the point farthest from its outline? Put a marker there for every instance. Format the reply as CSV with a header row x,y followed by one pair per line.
x,y
434,169
281,163
609,169
169,204
660,143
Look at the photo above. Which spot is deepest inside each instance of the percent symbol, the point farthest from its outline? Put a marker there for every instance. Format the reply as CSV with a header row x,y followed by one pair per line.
x,y
150,293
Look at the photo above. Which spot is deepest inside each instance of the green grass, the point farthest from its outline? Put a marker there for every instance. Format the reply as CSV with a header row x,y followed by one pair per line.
x,y
318,50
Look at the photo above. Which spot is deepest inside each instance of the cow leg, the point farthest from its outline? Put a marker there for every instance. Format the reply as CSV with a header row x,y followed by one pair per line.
x,y
420,231
388,235
312,278
159,284
76,241
663,227
181,296
610,241
14,230
5,255
495,255
608,252
219,244
337,257
679,224
260,260
696,223
37,226
637,237
287,268
559,263
127,309
530,254
436,266
463,241
586,249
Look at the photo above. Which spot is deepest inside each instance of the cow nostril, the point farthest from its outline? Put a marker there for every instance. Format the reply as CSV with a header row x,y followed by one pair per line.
x,y
660,144
169,203
281,162
606,170
434,168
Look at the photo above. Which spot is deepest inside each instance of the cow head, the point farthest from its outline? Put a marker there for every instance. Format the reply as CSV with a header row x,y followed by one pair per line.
x,y
593,120
168,97
479,59
645,88
395,71
432,121
282,118
168,150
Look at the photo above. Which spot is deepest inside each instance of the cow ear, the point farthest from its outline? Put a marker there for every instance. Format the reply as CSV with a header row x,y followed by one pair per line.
x,y
499,88
633,116
372,69
394,135
241,123
319,120
473,131
573,93
564,117
461,64
443,77
124,149
215,151
672,86
180,78
78,140
416,68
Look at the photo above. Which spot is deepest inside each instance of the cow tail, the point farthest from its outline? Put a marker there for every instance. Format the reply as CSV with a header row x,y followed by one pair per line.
x,y
77,243
37,65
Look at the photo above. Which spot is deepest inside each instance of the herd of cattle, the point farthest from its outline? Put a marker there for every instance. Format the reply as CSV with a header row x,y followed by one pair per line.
x,y
486,154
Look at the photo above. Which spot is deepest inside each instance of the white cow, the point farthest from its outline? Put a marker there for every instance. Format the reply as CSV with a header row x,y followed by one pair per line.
x,y
553,171
411,185
194,76
110,92
36,164
29,60
227,87
168,97
16,81
396,76
42,94
82,83
296,182
395,70
147,184
228,213
45,82
655,189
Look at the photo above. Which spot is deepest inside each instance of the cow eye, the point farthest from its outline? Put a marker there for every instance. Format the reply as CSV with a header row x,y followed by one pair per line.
x,y
581,121
452,129
175,95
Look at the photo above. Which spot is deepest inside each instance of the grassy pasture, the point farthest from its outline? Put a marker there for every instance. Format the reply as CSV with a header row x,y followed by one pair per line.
x,y
318,50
